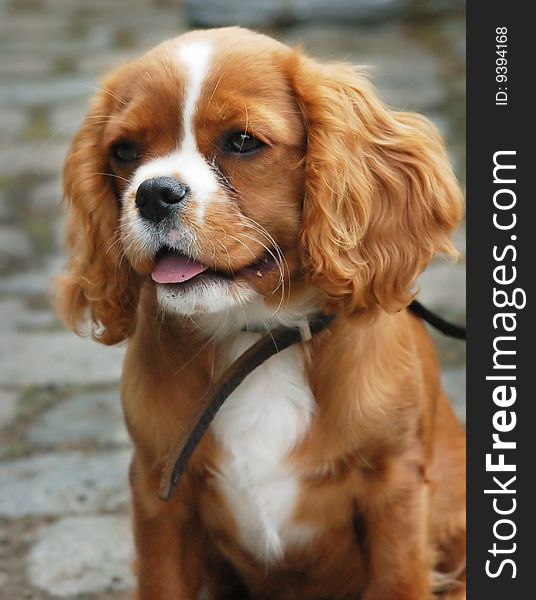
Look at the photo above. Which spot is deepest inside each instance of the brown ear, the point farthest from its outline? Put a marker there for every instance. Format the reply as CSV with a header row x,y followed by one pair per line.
x,y
380,195
98,285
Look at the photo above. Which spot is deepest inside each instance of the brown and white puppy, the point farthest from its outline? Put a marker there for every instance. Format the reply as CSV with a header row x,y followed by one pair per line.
x,y
222,182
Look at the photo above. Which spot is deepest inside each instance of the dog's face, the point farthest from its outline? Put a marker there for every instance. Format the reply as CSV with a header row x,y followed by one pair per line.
x,y
209,154
229,171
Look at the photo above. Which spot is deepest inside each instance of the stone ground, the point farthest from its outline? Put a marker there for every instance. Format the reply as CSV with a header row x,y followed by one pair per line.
x,y
64,530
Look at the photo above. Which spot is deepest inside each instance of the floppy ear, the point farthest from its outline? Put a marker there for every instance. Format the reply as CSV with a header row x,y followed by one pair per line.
x,y
380,195
98,285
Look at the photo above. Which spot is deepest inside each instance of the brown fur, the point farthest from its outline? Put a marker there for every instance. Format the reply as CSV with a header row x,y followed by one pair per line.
x,y
358,198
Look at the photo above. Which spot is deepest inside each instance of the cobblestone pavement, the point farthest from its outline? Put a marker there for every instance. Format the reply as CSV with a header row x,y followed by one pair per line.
x,y
64,530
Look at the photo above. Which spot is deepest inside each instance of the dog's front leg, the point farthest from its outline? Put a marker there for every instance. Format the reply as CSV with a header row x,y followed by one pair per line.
x,y
168,540
399,554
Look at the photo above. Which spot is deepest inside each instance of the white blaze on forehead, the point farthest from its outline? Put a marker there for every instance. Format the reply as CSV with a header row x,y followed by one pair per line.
x,y
195,57
194,168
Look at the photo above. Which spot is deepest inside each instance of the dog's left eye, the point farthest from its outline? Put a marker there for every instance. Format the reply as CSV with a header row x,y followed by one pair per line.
x,y
125,152
242,143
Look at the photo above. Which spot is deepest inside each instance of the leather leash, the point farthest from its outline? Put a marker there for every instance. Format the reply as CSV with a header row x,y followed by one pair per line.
x,y
450,329
271,343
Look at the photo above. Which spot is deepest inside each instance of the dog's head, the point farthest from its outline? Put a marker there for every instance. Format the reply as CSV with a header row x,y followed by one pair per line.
x,y
232,172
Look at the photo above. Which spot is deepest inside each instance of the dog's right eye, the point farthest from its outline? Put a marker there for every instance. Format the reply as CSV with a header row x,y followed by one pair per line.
x,y
125,152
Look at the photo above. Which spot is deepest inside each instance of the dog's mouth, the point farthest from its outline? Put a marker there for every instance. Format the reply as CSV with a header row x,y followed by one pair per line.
x,y
174,268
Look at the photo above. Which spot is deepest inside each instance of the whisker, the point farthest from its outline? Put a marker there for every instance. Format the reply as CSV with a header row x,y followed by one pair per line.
x,y
211,98
228,256
112,175
260,229
102,90
245,245
281,283
203,347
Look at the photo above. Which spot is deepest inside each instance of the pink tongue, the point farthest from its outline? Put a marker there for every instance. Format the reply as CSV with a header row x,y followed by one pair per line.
x,y
173,268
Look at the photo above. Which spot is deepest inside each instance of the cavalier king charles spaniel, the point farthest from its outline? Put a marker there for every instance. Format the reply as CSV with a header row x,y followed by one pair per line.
x,y
223,185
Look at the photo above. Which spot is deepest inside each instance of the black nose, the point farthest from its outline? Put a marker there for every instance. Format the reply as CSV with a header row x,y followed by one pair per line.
x,y
157,198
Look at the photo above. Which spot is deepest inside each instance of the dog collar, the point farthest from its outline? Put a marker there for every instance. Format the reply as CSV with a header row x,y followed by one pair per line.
x,y
271,343
302,325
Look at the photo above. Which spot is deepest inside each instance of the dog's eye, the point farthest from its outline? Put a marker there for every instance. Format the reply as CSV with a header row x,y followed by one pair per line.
x,y
242,143
125,152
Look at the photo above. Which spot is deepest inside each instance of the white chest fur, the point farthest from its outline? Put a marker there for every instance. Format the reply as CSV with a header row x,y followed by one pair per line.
x,y
259,424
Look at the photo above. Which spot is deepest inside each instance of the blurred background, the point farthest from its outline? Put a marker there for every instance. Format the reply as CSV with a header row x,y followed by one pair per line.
x,y
64,530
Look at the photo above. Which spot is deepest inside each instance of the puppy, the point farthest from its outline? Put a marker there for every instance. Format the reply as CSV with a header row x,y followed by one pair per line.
x,y
224,185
